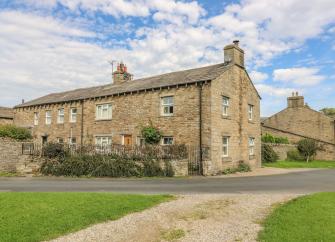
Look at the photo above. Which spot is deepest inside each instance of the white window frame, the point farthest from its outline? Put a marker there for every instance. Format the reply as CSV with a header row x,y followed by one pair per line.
x,y
167,102
104,111
59,139
250,112
225,146
48,117
225,106
167,138
36,117
103,141
71,139
73,115
140,141
251,146
60,116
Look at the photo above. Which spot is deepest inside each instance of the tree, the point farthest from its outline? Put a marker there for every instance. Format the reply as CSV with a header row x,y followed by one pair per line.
x,y
329,112
308,148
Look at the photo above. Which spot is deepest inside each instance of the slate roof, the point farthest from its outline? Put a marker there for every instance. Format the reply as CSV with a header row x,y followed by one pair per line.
x,y
6,113
169,79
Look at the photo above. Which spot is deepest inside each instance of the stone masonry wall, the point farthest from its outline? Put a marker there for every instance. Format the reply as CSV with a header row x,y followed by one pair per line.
x,y
328,152
5,121
235,85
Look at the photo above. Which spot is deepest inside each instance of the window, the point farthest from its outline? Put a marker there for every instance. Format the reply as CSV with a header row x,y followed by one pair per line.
x,y
103,141
140,141
250,112
251,146
225,106
36,118
60,140
72,141
104,111
73,115
60,117
167,141
225,146
48,117
167,106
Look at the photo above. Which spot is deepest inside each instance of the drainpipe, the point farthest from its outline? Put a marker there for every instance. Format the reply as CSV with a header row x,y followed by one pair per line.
x,y
82,124
200,128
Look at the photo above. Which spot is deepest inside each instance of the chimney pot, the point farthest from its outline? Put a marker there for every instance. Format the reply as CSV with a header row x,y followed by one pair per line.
x,y
236,42
22,101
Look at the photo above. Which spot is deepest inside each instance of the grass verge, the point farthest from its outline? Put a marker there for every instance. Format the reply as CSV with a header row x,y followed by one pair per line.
x,y
44,216
301,164
308,218
8,174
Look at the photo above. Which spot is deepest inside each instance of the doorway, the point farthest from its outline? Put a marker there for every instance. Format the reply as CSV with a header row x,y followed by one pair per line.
x,y
127,140
44,140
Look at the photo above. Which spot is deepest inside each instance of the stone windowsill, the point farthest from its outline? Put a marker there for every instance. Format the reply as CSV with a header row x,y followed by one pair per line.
x,y
251,157
107,119
227,159
226,116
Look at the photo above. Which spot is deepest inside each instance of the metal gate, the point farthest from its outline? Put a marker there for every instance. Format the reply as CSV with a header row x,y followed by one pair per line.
x,y
195,160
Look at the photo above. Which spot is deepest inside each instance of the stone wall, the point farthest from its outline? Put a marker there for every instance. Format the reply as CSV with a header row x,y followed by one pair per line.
x,y
5,121
328,149
282,149
12,159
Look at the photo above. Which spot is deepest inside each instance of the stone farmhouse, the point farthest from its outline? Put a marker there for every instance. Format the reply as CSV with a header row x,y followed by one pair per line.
x,y
299,121
215,106
6,115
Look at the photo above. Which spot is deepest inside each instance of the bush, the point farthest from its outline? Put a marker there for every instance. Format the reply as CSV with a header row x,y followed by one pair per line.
x,y
268,138
242,167
14,132
104,166
308,148
294,155
151,134
54,150
268,154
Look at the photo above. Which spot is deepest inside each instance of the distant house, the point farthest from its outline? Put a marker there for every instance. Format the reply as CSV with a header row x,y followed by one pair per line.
x,y
299,121
215,106
6,115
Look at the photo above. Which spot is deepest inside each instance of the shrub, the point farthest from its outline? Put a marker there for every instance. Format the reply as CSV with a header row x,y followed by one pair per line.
x,y
151,134
54,150
294,155
242,167
268,154
308,148
104,166
268,138
14,132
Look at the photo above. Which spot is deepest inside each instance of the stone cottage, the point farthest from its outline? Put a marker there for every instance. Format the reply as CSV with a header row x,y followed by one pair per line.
x,y
299,121
6,115
214,106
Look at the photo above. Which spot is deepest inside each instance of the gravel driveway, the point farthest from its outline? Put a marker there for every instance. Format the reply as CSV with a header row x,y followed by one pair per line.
x,y
211,217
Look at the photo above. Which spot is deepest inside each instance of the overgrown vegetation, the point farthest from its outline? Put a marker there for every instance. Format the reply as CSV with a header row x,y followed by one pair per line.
x,y
268,138
45,216
294,155
151,134
308,148
242,167
308,218
14,132
268,154
59,162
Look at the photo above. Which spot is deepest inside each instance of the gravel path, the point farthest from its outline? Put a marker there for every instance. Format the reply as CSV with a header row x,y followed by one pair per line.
x,y
189,218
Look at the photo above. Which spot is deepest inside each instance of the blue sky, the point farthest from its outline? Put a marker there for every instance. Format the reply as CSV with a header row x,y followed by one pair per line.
x,y
56,45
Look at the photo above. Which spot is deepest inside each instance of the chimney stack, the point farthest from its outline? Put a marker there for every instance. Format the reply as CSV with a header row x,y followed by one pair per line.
x,y
121,74
234,54
295,101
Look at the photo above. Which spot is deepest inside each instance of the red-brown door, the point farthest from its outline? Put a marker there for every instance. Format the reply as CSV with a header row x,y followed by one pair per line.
x,y
128,141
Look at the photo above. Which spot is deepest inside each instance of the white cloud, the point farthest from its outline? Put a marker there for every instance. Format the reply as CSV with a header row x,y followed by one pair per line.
x,y
298,76
258,77
268,90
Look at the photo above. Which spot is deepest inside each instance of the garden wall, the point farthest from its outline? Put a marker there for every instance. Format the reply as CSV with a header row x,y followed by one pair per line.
x,y
282,149
12,159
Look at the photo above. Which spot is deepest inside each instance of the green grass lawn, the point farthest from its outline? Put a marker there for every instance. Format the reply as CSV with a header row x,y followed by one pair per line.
x,y
7,174
308,218
301,164
43,216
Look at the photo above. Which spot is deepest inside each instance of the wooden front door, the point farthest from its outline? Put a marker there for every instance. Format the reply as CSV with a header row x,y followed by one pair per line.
x,y
127,140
